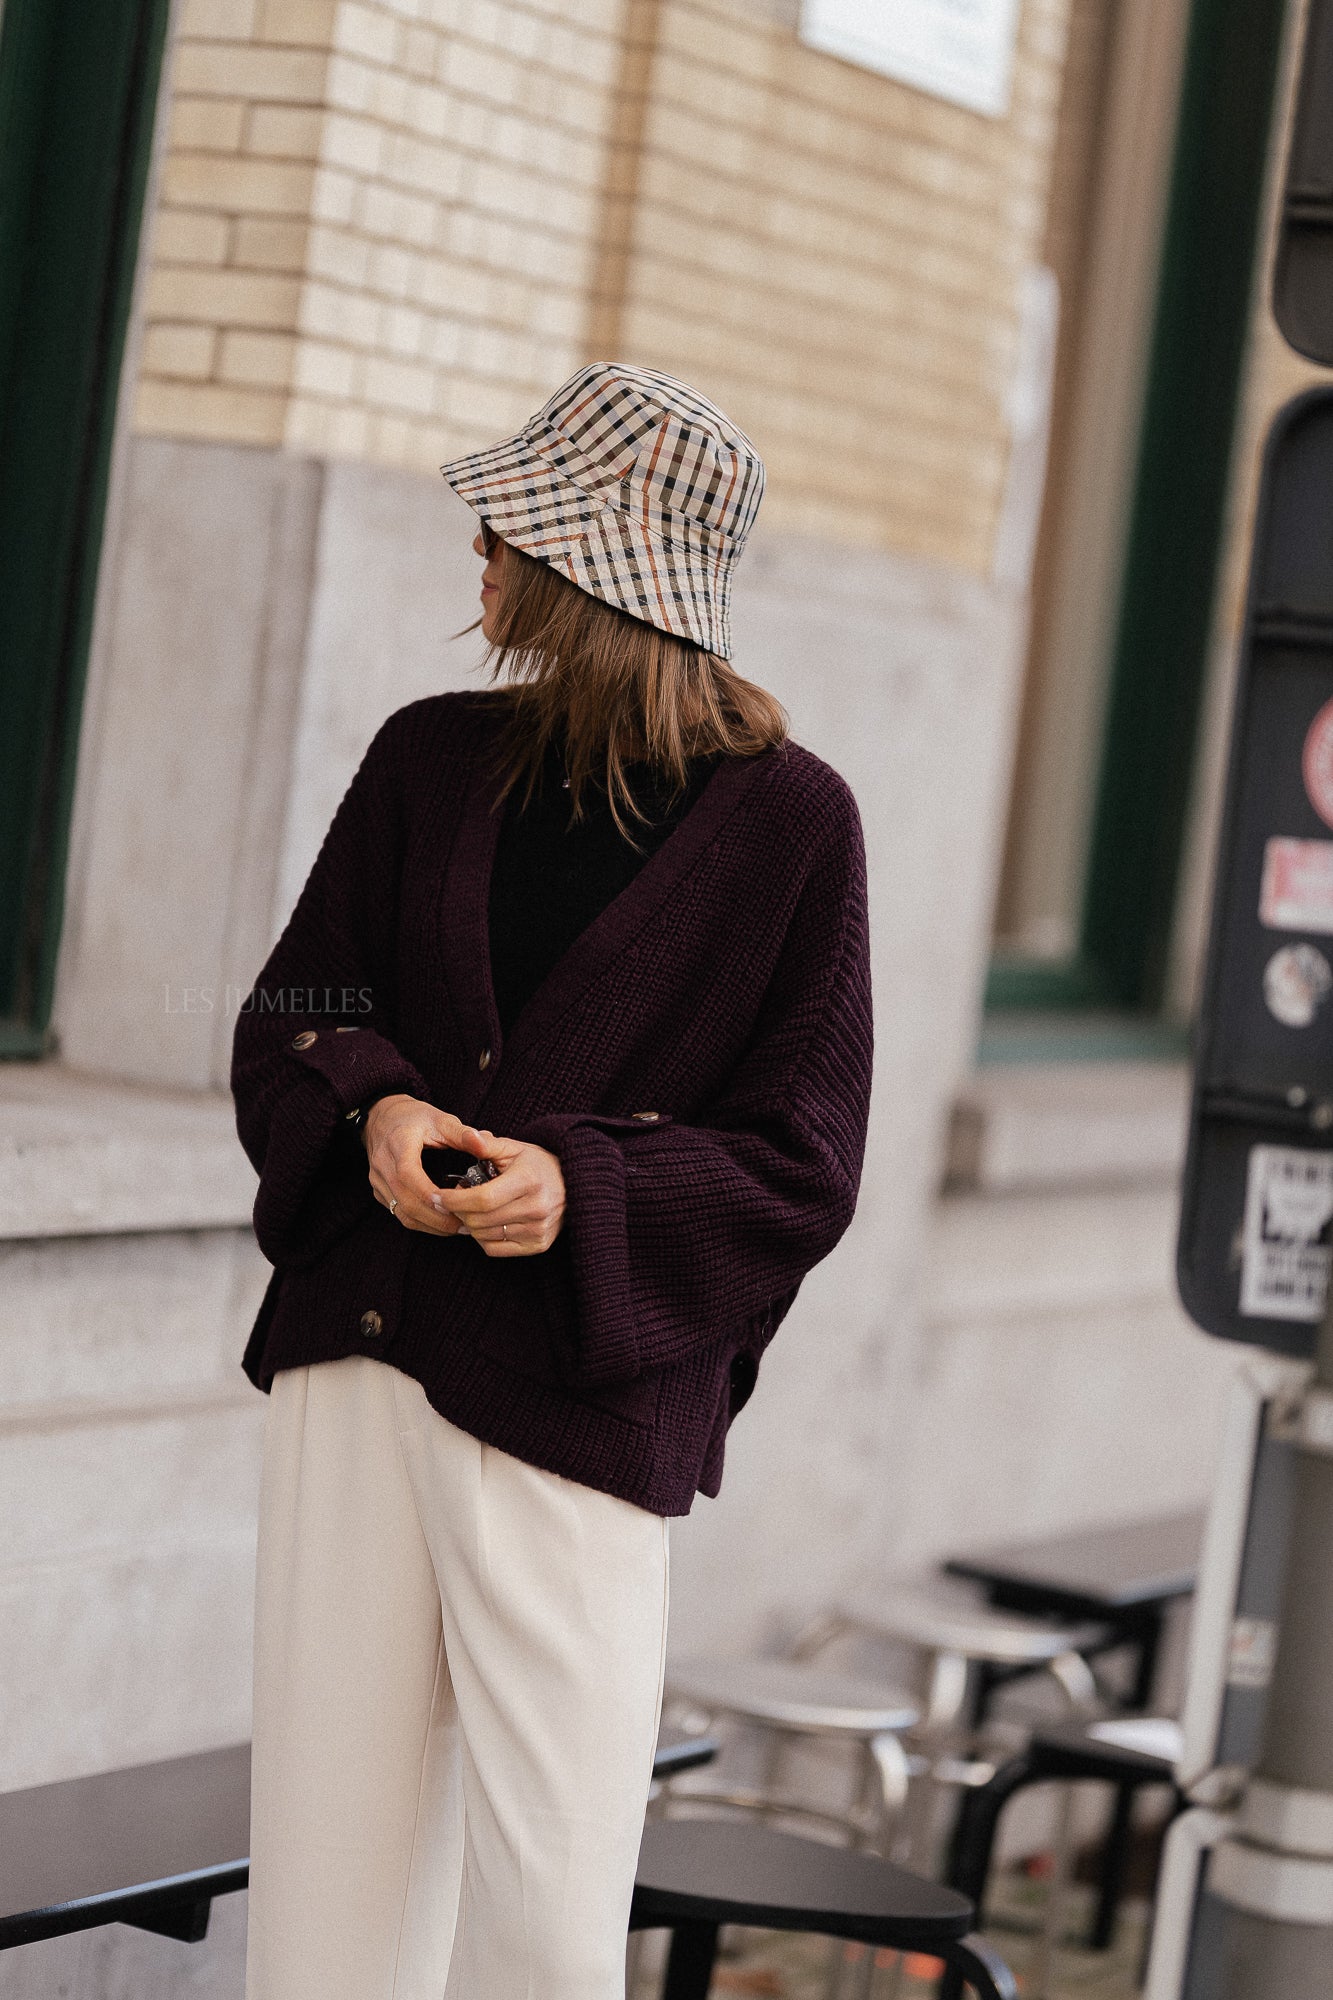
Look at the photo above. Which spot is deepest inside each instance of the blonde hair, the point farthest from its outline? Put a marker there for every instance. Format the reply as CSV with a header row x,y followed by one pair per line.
x,y
612,690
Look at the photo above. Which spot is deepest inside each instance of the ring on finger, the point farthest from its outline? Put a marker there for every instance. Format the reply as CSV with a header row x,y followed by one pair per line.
x,y
393,1205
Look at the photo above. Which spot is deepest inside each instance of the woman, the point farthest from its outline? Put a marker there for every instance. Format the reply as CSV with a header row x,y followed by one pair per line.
x,y
610,910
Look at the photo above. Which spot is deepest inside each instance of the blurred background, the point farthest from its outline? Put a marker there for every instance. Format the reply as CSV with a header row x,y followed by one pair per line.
x,y
985,282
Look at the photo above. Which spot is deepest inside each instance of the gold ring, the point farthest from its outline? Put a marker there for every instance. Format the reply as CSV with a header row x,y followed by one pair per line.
x,y
504,1232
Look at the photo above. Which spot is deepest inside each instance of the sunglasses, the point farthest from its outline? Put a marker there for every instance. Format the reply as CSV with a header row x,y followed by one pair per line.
x,y
489,539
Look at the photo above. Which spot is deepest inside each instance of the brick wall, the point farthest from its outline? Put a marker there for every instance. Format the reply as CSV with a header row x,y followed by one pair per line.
x,y
834,257
375,222
387,230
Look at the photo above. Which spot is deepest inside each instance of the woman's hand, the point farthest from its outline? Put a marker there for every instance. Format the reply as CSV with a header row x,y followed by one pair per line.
x,y
394,1133
518,1214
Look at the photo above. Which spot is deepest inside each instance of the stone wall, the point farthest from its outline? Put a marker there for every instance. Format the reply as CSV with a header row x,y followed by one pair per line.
x,y
376,223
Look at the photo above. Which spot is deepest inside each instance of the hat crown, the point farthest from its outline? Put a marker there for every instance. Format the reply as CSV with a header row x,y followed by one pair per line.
x,y
654,448
632,485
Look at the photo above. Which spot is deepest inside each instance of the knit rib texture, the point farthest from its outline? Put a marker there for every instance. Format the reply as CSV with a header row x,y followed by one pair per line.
x,y
699,1060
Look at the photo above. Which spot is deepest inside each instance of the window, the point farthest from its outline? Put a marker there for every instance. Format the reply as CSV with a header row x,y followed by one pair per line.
x,y
1134,514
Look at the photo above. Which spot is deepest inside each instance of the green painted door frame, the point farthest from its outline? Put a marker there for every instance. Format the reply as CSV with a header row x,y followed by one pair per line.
x,y
1159,655
78,87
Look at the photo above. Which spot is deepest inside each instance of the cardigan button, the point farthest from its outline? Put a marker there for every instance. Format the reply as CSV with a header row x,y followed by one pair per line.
x,y
304,1040
484,1059
371,1325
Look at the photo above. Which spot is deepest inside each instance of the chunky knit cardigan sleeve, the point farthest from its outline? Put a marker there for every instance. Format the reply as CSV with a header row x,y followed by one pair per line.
x,y
331,968
680,1231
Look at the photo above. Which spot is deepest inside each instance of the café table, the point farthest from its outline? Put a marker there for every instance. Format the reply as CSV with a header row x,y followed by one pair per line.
x,y
152,1845
1126,1576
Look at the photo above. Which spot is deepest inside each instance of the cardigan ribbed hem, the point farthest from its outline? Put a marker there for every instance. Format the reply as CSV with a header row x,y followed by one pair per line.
x,y
533,1420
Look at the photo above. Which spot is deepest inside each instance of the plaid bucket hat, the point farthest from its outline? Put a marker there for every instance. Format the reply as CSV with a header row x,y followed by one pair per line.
x,y
633,486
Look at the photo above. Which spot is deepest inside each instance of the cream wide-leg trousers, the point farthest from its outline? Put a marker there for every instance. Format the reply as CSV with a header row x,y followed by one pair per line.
x,y
458,1684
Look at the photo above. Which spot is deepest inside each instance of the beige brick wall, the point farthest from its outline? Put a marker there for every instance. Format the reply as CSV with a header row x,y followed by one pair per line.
x,y
375,222
834,257
387,228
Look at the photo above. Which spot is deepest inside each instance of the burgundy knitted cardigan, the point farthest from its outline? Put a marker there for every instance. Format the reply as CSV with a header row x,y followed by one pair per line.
x,y
699,1060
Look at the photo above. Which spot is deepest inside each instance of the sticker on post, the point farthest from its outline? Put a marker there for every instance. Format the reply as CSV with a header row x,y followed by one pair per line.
x,y
1251,1653
1297,981
1287,1233
1317,763
1296,893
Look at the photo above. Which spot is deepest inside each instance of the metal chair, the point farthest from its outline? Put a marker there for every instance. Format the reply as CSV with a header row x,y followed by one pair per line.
x,y
1126,1752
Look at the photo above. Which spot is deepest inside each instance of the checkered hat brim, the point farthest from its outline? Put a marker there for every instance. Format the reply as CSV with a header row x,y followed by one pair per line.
x,y
634,487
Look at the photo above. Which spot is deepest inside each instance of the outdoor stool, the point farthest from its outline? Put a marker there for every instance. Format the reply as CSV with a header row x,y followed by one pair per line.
x,y
1127,1752
695,1875
789,1699
971,1648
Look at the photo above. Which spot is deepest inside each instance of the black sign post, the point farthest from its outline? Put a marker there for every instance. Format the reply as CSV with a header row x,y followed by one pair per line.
x,y
1254,1255
1246,1902
1257,1215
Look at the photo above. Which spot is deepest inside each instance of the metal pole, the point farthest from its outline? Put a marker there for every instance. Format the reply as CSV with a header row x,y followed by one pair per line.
x,y
1274,1874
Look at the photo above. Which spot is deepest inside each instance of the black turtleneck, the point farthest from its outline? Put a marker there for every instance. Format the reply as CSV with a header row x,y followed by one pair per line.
x,y
552,878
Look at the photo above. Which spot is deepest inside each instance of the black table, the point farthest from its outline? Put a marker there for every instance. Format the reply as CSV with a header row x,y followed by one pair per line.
x,y
153,1844
1126,1577
694,1876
